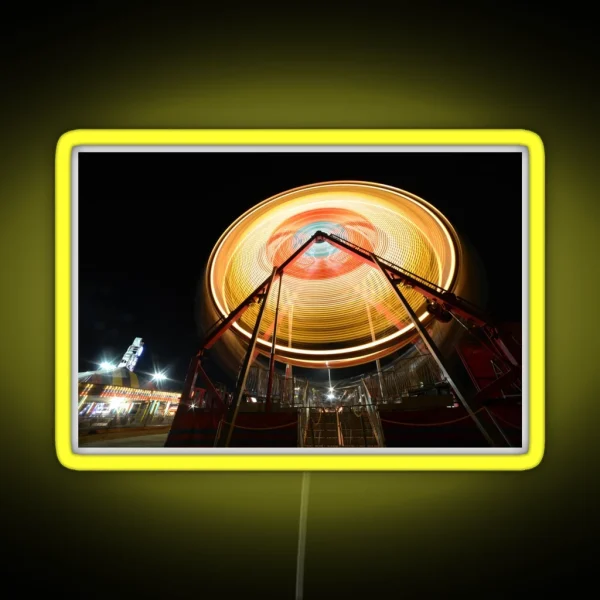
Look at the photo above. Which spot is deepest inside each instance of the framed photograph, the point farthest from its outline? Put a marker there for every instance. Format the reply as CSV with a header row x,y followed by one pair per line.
x,y
303,300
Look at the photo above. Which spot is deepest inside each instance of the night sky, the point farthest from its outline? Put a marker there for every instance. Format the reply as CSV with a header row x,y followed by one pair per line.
x,y
148,221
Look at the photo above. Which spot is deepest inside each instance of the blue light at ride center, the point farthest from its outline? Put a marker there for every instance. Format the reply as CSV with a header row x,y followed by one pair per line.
x,y
323,250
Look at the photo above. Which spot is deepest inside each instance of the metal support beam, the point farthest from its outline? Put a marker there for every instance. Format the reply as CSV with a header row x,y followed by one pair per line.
x,y
288,368
235,314
393,274
190,379
266,335
502,383
364,432
503,348
241,385
272,357
211,387
339,427
224,324
188,386
373,414
377,361
487,432
432,292
232,317
491,416
447,300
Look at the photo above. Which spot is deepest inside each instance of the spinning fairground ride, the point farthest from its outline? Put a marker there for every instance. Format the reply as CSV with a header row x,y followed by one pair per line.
x,y
341,275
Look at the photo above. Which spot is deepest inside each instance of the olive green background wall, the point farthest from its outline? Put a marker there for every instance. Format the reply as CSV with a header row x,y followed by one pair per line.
x,y
116,67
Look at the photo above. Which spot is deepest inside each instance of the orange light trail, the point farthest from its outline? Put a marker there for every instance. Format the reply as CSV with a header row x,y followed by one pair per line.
x,y
327,287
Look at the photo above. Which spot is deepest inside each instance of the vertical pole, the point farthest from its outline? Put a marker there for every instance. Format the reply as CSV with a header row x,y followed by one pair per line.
x,y
377,361
433,349
362,424
272,358
340,434
300,427
239,392
149,404
155,407
491,416
499,343
373,417
288,367
183,407
306,426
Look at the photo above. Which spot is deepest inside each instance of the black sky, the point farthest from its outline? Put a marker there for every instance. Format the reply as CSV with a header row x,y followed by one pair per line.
x,y
148,221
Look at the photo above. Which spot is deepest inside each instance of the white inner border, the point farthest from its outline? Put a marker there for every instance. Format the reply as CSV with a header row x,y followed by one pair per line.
x,y
295,451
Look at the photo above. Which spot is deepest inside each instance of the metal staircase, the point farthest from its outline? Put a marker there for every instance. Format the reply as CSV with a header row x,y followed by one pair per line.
x,y
321,429
339,427
357,429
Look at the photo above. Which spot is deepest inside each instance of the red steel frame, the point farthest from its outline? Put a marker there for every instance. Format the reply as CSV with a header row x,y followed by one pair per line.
x,y
446,300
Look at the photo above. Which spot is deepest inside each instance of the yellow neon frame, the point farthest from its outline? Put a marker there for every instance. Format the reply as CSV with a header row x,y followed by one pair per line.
x,y
299,462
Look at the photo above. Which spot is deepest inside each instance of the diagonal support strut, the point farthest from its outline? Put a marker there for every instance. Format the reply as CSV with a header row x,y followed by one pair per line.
x,y
488,433
231,415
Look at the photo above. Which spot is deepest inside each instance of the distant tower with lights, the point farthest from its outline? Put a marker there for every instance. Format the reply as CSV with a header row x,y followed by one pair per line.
x,y
132,355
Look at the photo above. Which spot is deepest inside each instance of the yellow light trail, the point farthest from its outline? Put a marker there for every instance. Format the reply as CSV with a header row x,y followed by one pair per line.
x,y
327,286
